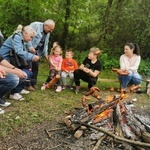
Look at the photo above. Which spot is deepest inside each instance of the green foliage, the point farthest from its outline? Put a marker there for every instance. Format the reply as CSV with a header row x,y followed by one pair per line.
x,y
83,24
109,61
80,56
144,68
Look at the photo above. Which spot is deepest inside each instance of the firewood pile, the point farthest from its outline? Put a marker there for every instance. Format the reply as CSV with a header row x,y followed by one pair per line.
x,y
112,121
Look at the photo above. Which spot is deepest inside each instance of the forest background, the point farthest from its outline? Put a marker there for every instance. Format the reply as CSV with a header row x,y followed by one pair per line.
x,y
80,25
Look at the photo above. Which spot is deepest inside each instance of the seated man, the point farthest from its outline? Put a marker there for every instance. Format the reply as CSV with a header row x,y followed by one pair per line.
x,y
9,79
89,70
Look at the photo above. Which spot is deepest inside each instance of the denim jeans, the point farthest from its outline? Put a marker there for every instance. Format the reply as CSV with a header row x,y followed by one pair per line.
x,y
8,83
21,85
133,78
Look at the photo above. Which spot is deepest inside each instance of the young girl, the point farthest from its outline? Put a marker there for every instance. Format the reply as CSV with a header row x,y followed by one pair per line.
x,y
68,66
55,60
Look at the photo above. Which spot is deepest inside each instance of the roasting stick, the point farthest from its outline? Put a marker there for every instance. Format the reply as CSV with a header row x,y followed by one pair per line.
x,y
142,144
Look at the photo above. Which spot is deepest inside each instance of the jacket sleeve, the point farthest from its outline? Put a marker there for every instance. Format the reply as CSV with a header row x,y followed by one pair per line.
x,y
19,46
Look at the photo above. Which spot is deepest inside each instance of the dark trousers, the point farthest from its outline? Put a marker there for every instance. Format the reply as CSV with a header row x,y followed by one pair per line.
x,y
52,74
79,74
35,70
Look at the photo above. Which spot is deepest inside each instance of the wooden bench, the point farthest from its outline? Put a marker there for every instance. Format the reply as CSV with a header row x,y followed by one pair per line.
x,y
117,81
107,80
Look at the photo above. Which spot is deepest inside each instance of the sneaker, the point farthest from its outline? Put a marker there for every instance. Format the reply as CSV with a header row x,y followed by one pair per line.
x,y
30,88
77,89
71,88
4,103
24,92
64,87
138,91
16,96
35,86
59,89
1,111
43,87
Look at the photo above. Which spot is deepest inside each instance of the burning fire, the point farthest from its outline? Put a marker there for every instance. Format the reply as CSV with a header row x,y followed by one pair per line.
x,y
102,116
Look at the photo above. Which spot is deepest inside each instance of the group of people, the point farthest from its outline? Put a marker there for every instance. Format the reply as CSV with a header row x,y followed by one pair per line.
x,y
88,71
90,68
31,43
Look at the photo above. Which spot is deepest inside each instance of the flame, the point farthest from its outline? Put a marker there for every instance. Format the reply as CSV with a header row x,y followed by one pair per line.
x,y
104,115
124,95
109,98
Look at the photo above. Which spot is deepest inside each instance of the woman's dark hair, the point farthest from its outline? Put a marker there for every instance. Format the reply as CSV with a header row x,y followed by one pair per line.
x,y
135,47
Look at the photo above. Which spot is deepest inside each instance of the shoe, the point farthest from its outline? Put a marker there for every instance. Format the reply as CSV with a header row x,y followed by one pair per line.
x,y
16,96
43,87
59,89
24,92
1,111
134,88
4,103
35,86
71,88
77,89
2,100
30,88
64,87
138,91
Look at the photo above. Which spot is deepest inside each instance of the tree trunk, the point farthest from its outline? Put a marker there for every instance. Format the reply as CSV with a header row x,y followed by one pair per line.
x,y
66,25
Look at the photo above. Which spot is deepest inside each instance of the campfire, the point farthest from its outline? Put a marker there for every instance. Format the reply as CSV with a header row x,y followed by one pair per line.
x,y
113,121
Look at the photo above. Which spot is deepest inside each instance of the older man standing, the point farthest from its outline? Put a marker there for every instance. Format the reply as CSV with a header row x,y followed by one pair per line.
x,y
39,45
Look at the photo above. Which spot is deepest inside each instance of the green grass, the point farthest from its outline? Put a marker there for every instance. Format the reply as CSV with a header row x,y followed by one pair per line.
x,y
39,106
46,105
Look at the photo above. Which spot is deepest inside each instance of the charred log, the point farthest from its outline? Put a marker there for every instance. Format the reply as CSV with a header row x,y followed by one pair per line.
x,y
142,144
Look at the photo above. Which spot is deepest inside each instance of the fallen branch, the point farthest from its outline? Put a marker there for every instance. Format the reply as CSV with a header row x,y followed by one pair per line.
x,y
96,147
55,129
55,147
48,133
117,137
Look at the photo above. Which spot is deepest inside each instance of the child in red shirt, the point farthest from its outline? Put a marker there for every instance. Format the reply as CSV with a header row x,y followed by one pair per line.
x,y
68,66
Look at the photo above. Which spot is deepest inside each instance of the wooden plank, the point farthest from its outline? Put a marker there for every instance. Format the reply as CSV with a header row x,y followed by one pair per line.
x,y
107,80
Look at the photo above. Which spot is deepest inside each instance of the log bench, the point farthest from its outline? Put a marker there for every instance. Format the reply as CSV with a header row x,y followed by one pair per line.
x,y
108,80
117,81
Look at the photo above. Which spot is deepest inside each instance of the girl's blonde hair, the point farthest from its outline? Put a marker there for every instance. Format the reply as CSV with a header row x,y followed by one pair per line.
x,y
95,50
27,29
54,49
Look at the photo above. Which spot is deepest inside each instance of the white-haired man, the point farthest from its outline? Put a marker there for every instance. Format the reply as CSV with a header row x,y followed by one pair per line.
x,y
39,45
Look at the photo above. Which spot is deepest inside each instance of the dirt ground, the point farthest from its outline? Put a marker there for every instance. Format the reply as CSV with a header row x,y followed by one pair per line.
x,y
54,135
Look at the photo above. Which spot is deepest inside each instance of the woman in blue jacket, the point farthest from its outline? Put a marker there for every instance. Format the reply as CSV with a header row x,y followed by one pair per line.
x,y
18,42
